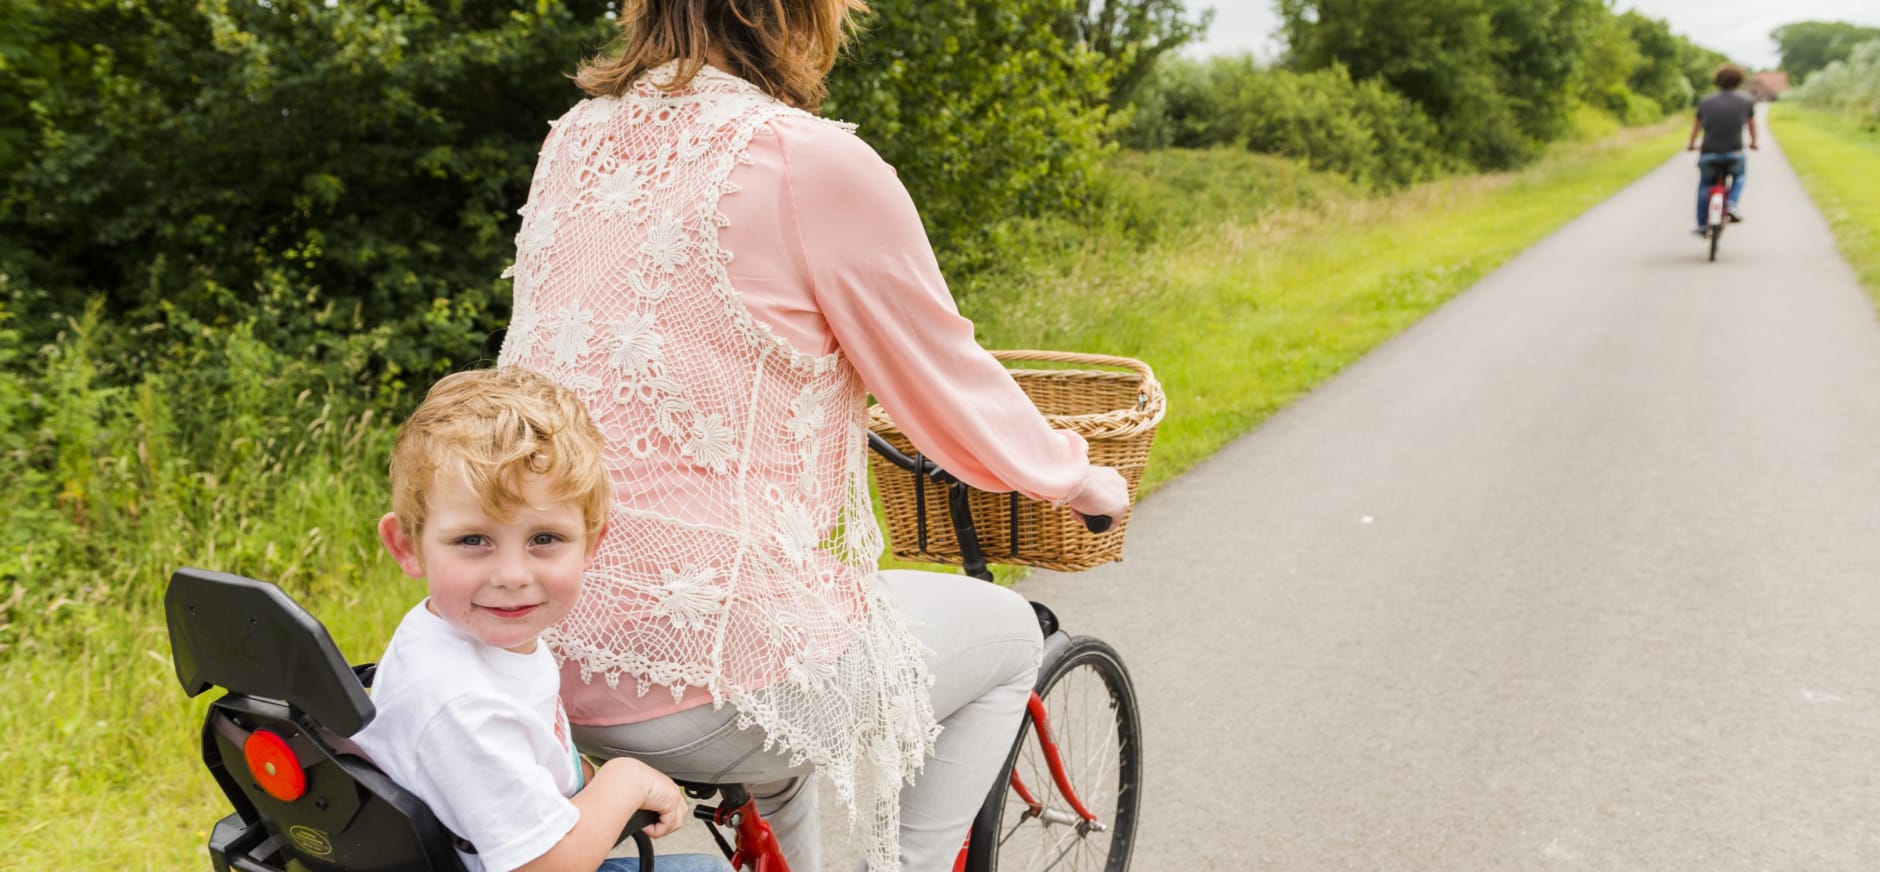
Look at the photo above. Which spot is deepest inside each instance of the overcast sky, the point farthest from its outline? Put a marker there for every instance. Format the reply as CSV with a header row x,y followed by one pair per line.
x,y
1738,28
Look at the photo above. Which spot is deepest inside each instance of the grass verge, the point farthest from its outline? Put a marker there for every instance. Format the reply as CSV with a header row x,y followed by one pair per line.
x,y
1838,159
1245,280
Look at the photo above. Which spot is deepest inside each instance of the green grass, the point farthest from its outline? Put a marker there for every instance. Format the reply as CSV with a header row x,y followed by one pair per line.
x,y
1838,159
1244,280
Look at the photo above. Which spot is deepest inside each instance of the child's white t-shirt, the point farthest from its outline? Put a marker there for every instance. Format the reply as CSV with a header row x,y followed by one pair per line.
x,y
479,734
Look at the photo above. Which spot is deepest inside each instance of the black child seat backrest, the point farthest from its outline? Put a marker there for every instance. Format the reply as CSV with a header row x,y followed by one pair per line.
x,y
278,744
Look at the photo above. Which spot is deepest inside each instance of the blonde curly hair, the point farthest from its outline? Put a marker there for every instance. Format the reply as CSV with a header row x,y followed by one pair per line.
x,y
499,428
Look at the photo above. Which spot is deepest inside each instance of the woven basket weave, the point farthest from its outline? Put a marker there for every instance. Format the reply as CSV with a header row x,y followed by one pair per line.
x,y
1116,411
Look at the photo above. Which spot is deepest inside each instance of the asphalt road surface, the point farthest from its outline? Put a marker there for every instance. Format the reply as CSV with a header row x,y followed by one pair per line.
x,y
1581,572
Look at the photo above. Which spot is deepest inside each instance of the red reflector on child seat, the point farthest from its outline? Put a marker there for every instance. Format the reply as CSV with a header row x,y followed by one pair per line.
x,y
274,766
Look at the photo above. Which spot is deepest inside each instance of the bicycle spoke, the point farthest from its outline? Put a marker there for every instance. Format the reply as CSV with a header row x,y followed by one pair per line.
x,y
1091,718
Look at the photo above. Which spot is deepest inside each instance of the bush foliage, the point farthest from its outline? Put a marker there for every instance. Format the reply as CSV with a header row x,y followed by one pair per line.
x,y
1851,86
340,177
1807,46
343,177
986,113
1361,129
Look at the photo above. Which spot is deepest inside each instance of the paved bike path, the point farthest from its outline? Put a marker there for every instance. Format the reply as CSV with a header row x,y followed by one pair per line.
x,y
1581,572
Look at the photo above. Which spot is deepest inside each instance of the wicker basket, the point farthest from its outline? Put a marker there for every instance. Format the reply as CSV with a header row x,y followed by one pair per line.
x,y
1116,411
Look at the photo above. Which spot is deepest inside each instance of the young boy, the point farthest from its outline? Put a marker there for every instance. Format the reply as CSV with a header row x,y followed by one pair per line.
x,y
498,501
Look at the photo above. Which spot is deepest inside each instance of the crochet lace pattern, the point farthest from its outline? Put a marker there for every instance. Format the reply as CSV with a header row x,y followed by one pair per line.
x,y
741,548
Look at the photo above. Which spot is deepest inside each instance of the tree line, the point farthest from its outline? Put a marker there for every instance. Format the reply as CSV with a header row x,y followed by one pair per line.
x,y
1807,46
342,178
1392,93
1836,64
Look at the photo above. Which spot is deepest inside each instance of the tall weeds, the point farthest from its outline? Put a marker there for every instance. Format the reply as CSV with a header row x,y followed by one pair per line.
x,y
227,453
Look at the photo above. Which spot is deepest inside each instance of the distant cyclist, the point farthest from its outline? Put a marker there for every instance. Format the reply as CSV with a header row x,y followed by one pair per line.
x,y
1721,118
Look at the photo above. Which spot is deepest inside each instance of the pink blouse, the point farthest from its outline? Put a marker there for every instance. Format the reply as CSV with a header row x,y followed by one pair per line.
x,y
829,252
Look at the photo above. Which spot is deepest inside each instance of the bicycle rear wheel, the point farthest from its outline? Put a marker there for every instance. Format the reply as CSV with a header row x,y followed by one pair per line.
x,y
1716,236
1091,712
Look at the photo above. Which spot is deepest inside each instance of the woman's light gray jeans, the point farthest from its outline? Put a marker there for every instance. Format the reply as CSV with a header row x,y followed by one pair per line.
x,y
984,653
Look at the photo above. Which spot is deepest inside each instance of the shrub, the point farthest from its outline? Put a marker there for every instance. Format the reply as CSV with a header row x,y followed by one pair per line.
x,y
1807,46
1851,86
1461,61
1360,129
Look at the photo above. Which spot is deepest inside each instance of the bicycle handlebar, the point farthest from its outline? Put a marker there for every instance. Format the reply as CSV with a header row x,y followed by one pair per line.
x,y
923,466
636,829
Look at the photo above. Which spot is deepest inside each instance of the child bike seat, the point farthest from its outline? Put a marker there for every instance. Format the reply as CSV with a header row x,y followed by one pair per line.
x,y
278,741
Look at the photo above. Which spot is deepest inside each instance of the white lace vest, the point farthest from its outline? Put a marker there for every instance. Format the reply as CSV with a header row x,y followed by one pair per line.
x,y
741,551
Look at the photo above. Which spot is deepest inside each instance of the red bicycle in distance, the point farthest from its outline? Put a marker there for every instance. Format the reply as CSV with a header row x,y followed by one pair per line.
x,y
1071,788
1717,209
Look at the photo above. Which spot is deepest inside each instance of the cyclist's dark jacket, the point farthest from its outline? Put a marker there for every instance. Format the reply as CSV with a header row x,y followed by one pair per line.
x,y
1724,114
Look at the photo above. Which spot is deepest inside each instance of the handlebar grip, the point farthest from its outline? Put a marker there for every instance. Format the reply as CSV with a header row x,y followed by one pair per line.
x,y
636,829
1097,523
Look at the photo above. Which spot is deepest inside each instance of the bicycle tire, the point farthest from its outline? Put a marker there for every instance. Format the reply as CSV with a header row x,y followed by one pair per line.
x,y
1091,704
1716,236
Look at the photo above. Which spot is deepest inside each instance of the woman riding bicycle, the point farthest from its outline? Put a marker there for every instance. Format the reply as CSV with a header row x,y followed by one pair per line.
x,y
1721,118
723,277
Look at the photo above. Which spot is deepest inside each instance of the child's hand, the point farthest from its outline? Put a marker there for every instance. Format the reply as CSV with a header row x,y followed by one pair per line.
x,y
666,798
661,795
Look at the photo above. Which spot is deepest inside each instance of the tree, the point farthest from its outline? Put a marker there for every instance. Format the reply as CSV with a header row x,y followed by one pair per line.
x,y
1851,85
343,176
1610,60
1441,54
1700,65
1807,46
1540,48
1130,35
983,108
1658,74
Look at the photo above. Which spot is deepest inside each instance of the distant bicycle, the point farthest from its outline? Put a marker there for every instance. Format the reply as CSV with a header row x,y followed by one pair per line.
x,y
1717,210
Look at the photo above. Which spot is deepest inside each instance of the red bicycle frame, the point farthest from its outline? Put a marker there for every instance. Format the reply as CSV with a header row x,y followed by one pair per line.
x,y
755,847
1719,198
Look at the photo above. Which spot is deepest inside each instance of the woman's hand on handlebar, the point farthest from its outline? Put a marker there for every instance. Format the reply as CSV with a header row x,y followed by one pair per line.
x,y
1104,494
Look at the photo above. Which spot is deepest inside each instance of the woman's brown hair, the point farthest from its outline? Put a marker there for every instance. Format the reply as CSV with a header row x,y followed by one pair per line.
x,y
1728,77
785,47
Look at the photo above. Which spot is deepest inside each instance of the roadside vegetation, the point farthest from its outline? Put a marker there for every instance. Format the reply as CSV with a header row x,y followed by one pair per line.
x,y
1832,136
236,240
